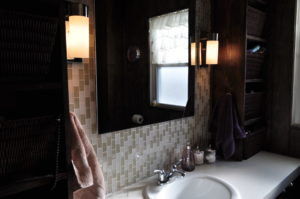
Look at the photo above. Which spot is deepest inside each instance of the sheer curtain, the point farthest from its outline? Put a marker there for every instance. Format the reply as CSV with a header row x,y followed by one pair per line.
x,y
169,38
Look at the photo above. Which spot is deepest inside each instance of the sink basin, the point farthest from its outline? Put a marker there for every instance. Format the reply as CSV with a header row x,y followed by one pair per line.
x,y
205,187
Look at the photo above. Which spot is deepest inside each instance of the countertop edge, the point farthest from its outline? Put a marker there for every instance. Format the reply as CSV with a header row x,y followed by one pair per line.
x,y
284,184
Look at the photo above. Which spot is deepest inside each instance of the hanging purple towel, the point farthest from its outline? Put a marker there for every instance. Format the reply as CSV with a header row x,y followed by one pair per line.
x,y
225,126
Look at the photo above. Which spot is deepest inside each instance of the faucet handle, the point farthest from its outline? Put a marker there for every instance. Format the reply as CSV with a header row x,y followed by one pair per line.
x,y
177,164
163,177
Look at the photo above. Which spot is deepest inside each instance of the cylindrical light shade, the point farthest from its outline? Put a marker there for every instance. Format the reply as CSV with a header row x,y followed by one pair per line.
x,y
200,53
212,52
77,37
193,54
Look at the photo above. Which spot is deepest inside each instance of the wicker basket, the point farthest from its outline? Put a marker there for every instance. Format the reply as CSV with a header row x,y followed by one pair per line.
x,y
28,148
250,145
253,105
255,22
26,43
253,143
254,67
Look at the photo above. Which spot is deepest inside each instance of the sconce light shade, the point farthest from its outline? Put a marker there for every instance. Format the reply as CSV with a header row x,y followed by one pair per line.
x,y
193,54
196,57
200,54
206,51
77,32
212,52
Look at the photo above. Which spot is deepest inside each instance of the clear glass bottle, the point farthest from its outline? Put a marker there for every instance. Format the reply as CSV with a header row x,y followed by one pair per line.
x,y
188,159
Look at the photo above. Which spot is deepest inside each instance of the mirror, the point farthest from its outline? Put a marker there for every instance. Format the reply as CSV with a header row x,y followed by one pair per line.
x,y
144,74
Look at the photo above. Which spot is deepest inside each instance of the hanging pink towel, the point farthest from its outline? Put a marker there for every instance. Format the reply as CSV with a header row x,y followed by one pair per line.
x,y
89,177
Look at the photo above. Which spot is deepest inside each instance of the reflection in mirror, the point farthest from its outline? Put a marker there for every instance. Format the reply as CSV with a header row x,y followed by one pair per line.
x,y
143,72
168,41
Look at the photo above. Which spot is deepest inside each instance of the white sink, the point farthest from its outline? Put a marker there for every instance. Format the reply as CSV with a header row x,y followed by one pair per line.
x,y
205,187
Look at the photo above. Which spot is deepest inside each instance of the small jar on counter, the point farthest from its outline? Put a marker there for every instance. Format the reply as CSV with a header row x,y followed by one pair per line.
x,y
210,155
199,156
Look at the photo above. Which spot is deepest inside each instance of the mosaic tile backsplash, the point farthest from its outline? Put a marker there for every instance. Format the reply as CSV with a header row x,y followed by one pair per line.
x,y
130,155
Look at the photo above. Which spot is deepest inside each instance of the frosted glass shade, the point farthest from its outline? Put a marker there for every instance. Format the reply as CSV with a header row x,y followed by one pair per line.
x,y
212,52
172,87
77,37
193,54
200,53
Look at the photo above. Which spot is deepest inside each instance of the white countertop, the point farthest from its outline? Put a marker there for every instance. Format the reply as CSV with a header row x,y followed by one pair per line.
x,y
264,175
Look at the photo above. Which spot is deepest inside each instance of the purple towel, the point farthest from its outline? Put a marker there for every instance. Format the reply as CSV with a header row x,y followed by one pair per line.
x,y
225,126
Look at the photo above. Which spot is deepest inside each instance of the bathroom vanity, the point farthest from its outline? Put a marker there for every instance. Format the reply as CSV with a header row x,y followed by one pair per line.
x,y
265,175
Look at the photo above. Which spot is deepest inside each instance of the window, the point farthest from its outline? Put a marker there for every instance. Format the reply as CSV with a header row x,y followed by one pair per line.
x,y
296,87
168,40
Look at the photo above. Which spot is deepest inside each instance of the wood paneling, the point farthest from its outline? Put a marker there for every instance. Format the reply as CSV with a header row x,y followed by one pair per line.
x,y
280,74
295,141
229,75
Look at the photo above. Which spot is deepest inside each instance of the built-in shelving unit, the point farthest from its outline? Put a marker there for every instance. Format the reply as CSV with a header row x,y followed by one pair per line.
x,y
242,66
33,103
255,94
255,38
254,80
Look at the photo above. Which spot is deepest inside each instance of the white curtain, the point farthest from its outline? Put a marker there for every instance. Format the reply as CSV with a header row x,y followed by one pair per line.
x,y
168,37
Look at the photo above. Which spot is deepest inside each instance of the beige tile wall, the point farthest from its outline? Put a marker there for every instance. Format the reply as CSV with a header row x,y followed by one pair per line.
x,y
127,156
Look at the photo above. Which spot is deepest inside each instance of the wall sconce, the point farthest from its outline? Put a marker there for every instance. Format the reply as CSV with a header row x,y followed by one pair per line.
x,y
77,31
212,49
206,51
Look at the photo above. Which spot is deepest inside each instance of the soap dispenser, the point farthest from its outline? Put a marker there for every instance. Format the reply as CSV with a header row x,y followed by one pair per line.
x,y
188,159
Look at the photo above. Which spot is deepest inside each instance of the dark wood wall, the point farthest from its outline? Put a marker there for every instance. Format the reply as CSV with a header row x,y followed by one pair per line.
x,y
230,22
282,137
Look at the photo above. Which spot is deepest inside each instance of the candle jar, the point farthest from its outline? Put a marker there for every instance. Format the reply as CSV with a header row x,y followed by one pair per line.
x,y
210,155
199,156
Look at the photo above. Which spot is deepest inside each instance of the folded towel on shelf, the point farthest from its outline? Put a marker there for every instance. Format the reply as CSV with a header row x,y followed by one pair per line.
x,y
89,180
225,126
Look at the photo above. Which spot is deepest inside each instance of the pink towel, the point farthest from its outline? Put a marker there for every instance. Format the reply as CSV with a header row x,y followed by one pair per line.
x,y
88,173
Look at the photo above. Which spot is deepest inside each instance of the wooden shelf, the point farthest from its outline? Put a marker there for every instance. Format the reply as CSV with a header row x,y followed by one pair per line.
x,y
254,80
257,1
254,38
252,121
28,184
30,86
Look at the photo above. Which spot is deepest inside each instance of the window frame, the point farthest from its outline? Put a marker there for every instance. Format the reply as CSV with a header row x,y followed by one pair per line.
x,y
153,86
153,72
296,71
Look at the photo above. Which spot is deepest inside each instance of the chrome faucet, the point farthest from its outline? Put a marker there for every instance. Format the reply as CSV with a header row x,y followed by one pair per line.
x,y
165,176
